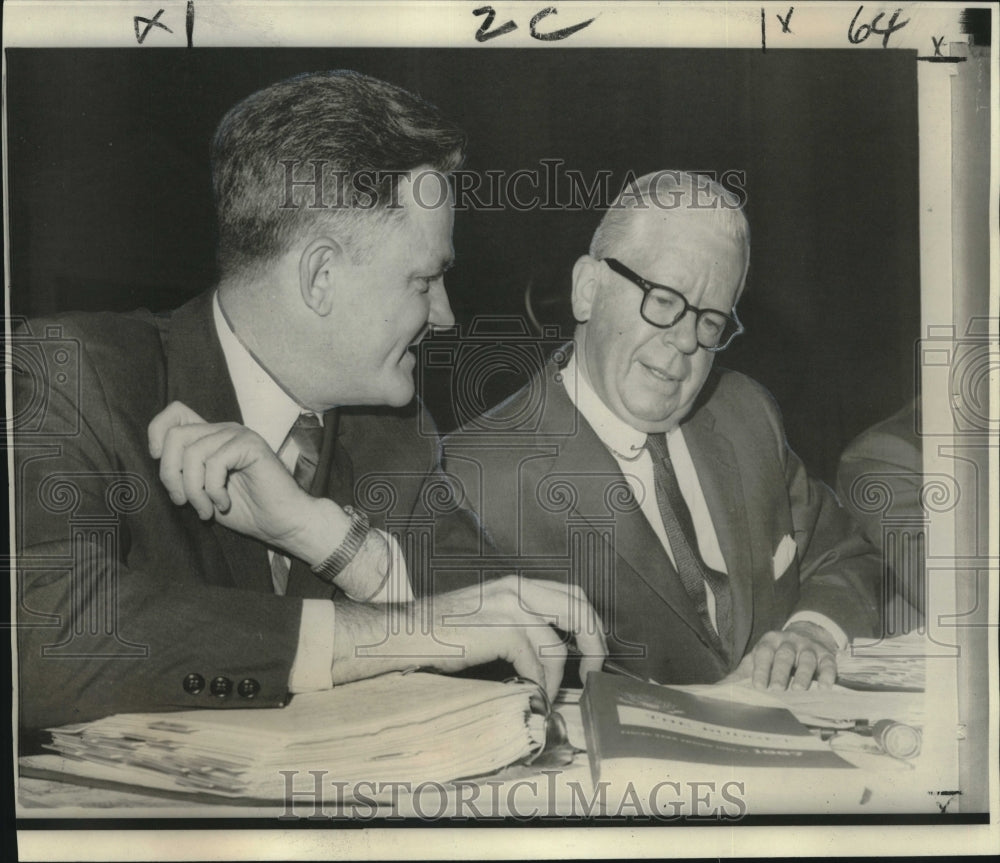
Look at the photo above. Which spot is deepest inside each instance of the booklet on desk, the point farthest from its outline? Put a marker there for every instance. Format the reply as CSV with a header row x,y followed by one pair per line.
x,y
414,727
637,729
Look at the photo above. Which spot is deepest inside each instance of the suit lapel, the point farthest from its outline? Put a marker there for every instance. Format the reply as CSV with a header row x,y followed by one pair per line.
x,y
197,375
719,477
196,367
584,455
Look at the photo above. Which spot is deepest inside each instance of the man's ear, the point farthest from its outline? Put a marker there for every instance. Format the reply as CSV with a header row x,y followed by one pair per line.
x,y
319,273
586,281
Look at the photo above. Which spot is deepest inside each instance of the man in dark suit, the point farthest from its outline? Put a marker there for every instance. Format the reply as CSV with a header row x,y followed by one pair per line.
x,y
204,496
880,478
662,486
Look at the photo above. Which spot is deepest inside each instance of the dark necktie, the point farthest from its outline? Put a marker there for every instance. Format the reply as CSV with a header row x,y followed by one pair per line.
x,y
693,571
307,434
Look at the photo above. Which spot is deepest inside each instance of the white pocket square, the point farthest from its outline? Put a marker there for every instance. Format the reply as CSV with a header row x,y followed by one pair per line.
x,y
783,557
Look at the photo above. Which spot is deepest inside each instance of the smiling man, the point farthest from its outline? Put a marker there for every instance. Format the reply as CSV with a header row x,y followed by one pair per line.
x,y
211,535
663,485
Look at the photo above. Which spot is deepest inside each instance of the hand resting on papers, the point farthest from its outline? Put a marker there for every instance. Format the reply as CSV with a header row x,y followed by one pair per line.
x,y
228,473
790,659
510,619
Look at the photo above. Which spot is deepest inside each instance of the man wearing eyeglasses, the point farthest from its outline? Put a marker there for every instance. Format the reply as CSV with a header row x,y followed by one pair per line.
x,y
664,486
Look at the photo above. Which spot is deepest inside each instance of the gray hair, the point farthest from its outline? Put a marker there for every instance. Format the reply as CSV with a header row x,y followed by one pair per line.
x,y
671,191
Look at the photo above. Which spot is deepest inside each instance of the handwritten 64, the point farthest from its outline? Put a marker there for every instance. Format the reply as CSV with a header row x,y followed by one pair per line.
x,y
858,33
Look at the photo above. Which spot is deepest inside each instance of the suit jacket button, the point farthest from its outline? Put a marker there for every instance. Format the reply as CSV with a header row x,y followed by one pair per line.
x,y
221,686
194,683
248,688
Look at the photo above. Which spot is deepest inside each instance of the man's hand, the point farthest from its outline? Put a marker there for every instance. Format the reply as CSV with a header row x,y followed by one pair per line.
x,y
791,659
228,472
509,619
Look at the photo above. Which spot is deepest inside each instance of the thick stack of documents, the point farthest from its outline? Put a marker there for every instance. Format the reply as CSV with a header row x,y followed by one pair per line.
x,y
396,728
888,665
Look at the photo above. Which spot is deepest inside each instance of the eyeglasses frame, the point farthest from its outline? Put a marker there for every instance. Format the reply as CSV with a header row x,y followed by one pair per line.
x,y
647,287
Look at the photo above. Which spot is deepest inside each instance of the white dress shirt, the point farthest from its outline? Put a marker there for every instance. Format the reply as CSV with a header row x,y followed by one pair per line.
x,y
628,447
271,412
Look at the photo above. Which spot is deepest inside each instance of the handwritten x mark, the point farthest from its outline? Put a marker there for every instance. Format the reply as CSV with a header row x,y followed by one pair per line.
x,y
150,24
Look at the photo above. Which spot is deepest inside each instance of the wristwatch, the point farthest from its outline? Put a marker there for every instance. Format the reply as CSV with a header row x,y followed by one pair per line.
x,y
330,568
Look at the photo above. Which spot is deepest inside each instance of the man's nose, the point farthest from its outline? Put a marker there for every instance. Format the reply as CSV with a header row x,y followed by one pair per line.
x,y
441,314
683,335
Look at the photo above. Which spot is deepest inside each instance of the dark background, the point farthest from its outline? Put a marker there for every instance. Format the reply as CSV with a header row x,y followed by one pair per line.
x,y
110,196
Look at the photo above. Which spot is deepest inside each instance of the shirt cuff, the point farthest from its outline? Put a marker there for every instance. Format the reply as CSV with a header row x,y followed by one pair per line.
x,y
312,668
820,620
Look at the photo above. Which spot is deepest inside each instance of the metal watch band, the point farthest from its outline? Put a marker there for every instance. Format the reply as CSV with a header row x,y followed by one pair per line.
x,y
330,568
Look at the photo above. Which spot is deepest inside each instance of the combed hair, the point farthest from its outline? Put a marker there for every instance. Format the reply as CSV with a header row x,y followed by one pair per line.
x,y
346,122
671,191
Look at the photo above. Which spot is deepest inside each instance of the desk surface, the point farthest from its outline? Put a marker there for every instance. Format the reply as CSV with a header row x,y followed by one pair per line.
x,y
878,785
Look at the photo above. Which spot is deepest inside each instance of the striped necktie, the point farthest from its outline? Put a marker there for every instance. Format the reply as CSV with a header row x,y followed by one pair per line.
x,y
307,434
693,571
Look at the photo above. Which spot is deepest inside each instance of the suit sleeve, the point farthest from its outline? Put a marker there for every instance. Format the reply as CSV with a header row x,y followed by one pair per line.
x,y
400,484
458,532
886,459
106,626
840,572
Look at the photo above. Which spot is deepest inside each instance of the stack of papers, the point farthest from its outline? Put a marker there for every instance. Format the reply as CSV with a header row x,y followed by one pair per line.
x,y
396,728
891,665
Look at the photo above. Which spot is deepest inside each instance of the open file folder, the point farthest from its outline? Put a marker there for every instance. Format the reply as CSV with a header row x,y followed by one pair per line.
x,y
768,750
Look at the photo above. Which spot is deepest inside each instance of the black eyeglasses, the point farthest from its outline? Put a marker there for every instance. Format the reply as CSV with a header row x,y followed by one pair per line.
x,y
663,307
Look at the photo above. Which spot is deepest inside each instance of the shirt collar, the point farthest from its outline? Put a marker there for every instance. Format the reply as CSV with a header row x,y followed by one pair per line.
x,y
265,407
616,434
